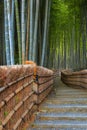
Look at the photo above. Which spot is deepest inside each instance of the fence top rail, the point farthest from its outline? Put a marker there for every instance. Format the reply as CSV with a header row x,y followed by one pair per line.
x,y
10,74
69,72
42,71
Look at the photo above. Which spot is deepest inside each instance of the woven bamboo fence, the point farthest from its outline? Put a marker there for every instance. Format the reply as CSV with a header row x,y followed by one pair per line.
x,y
16,96
19,97
76,79
44,84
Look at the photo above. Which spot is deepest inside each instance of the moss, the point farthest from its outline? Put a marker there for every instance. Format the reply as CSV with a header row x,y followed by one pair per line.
x,y
16,99
5,114
0,122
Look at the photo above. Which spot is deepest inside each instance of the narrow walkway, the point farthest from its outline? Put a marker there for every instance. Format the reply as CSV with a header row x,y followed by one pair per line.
x,y
64,109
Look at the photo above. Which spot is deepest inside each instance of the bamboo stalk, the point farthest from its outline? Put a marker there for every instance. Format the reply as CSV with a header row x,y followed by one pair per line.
x,y
6,35
45,33
35,30
31,29
23,30
10,32
18,31
12,22
28,27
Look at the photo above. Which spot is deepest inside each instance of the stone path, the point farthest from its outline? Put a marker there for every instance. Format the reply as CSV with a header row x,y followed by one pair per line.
x,y
64,109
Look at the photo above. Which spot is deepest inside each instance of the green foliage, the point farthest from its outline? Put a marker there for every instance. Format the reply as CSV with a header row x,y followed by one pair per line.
x,y
66,25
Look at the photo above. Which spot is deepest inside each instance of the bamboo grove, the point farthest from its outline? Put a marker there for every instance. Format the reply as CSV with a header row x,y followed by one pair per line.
x,y
25,26
52,33
68,34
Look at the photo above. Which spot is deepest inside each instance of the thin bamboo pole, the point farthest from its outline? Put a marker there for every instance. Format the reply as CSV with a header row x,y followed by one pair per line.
x,y
6,35
23,30
44,33
28,27
35,30
31,29
10,32
18,31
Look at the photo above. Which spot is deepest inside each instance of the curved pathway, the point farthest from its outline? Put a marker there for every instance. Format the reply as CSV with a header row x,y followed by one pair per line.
x,y
64,109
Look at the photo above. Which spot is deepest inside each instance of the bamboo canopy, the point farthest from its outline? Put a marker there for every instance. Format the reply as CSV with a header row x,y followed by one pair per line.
x,y
52,33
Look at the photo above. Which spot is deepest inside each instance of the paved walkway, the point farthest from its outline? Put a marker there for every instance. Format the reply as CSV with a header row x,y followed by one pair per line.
x,y
64,109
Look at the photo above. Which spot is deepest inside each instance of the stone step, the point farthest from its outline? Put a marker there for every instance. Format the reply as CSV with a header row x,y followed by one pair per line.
x,y
68,101
60,124
69,91
62,116
58,128
69,96
64,105
63,108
